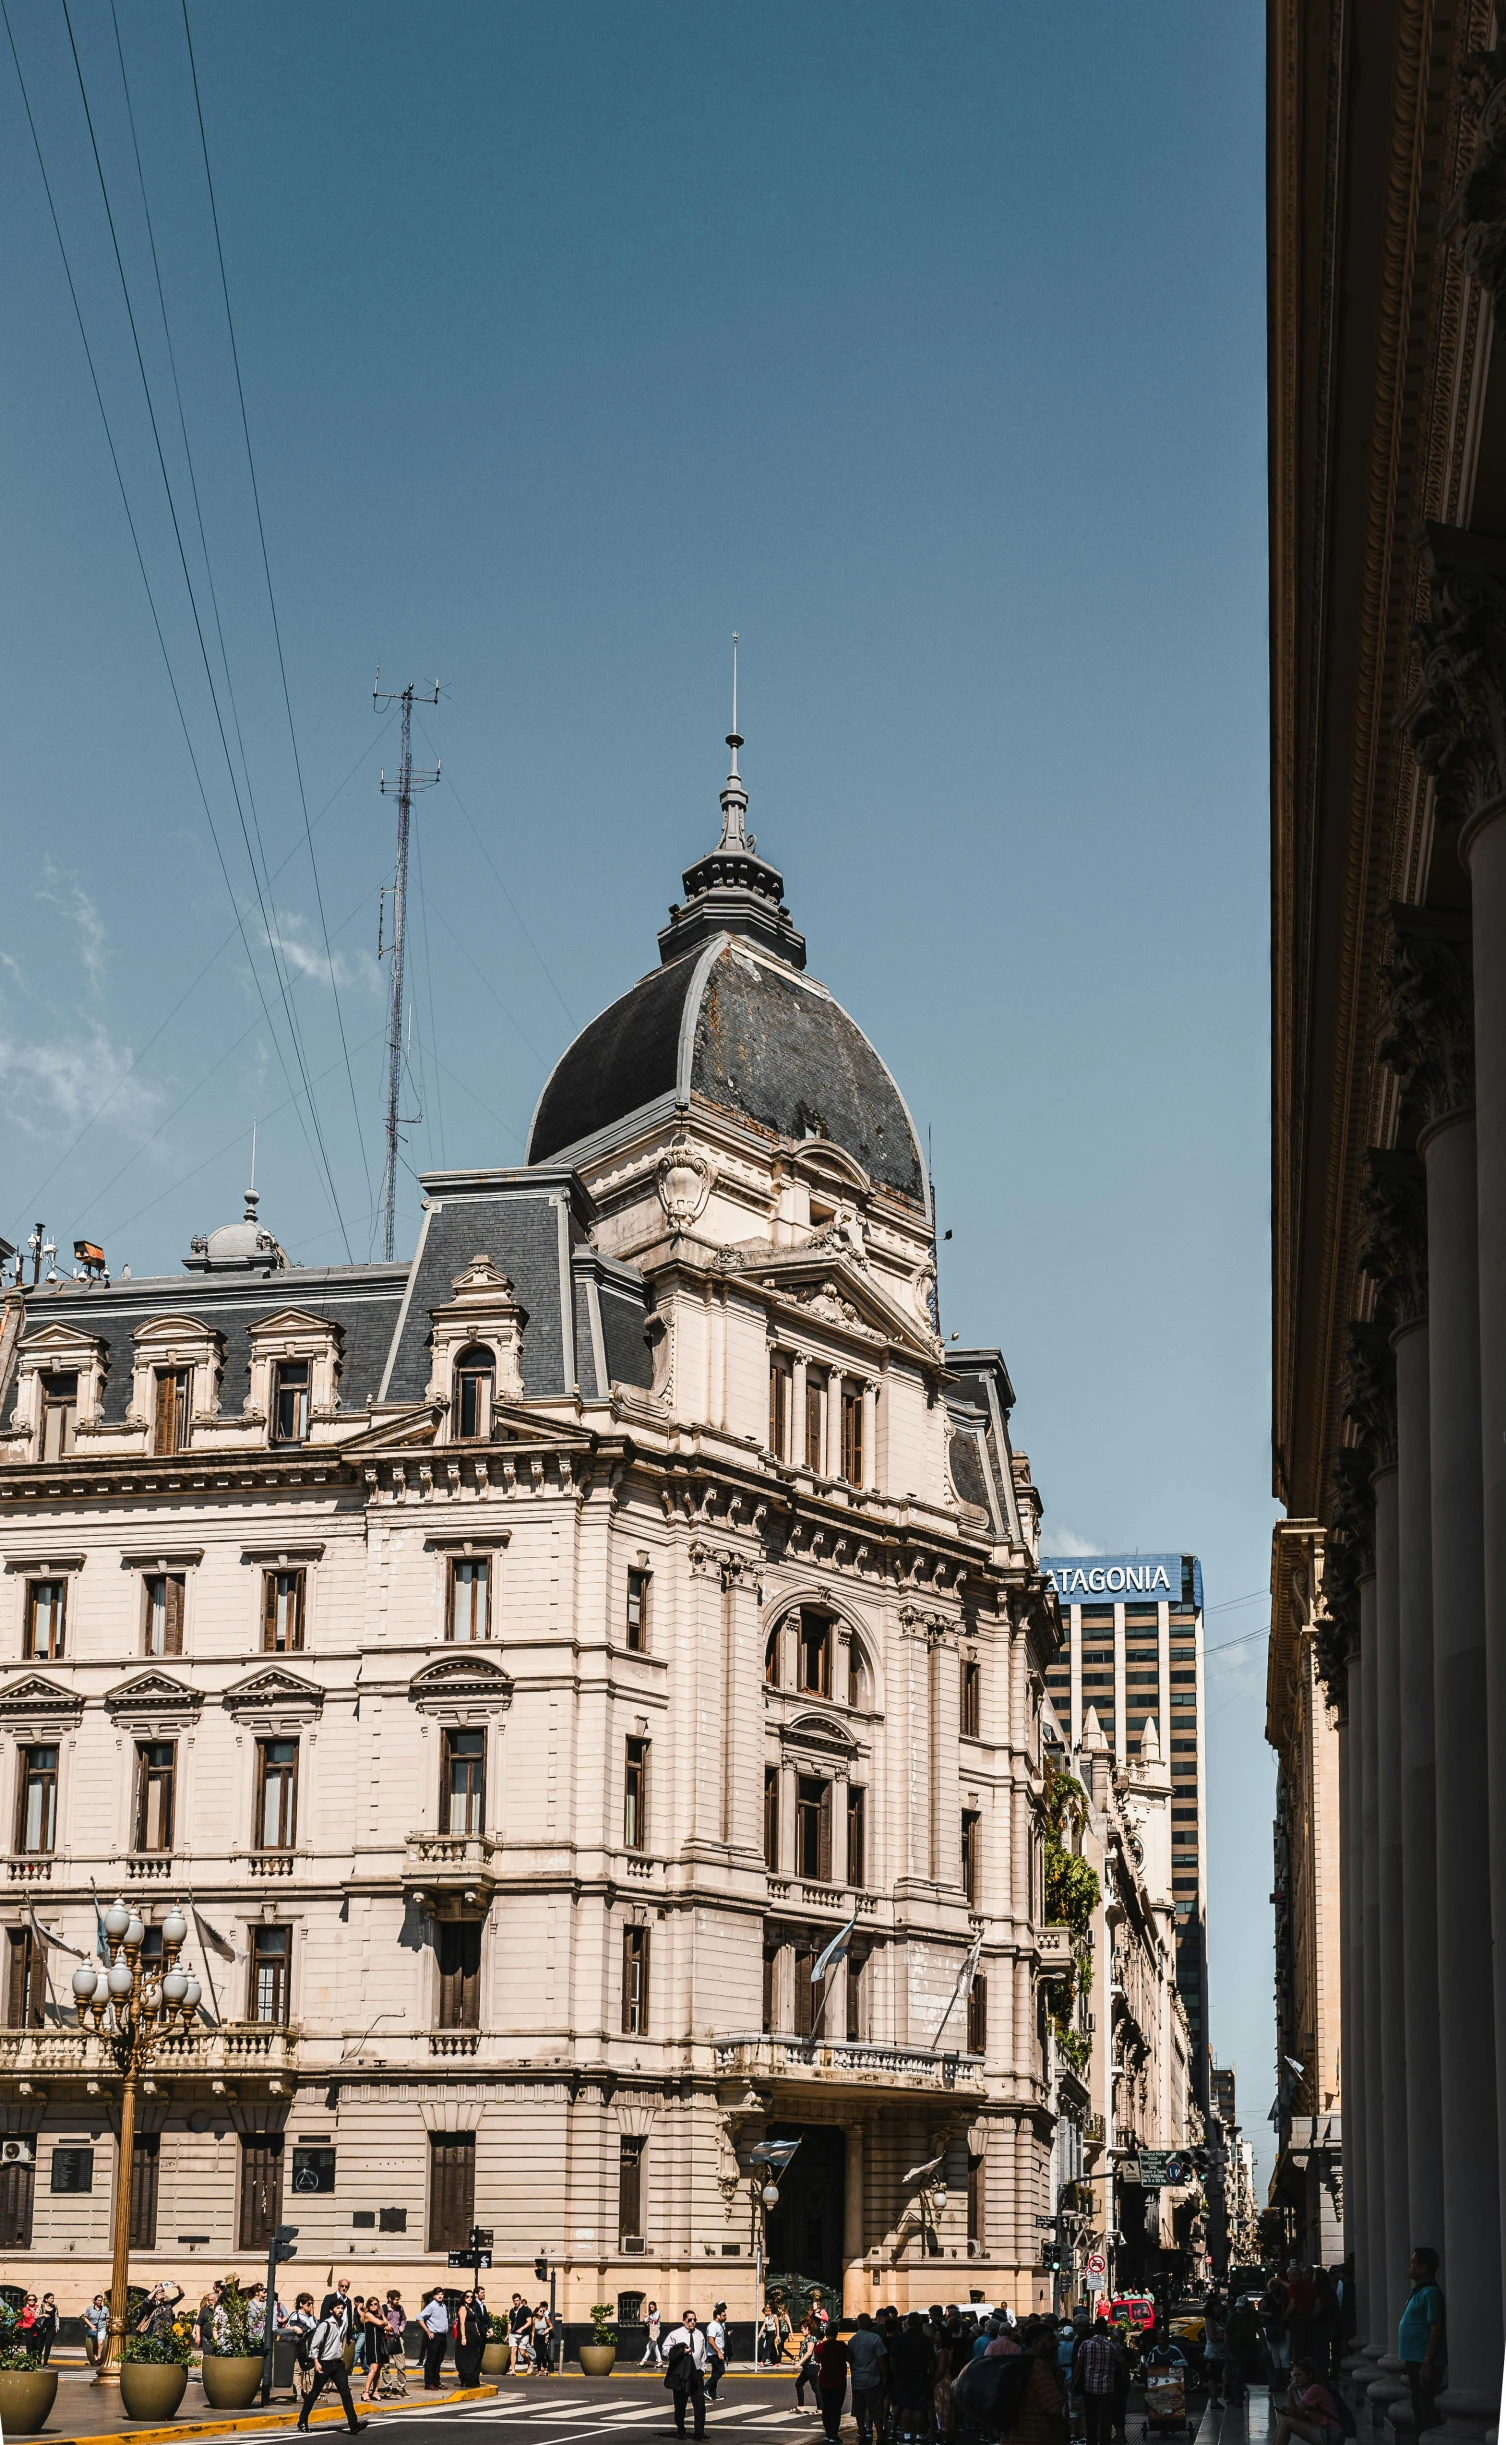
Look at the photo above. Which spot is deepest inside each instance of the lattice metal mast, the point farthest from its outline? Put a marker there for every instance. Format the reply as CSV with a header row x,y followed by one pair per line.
x,y
407,782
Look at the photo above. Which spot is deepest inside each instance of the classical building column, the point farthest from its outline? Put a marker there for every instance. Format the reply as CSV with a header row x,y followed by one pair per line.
x,y
1395,1256
1372,2134
1430,1048
1356,2093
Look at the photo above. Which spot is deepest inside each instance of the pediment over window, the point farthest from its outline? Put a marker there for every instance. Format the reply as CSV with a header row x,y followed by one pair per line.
x,y
820,1732
176,1337
34,1705
274,1700
150,1700
461,1690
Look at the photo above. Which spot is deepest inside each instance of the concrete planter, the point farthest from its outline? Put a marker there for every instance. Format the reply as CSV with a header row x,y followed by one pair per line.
x,y
496,2359
231,2380
598,2359
152,2389
26,2399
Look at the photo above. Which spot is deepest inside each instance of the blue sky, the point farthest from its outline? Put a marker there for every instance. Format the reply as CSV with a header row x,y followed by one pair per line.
x,y
923,347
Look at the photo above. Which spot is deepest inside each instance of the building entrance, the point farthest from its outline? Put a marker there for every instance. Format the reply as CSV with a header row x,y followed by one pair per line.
x,y
805,2231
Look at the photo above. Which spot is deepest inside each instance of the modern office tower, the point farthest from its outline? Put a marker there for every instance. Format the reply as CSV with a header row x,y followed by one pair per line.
x,y
1134,1650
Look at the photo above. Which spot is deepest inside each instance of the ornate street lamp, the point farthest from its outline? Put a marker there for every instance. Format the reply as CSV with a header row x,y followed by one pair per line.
x,y
134,2005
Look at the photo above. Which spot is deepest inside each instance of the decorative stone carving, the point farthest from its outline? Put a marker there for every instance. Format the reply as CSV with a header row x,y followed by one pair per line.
x,y
1370,1392
483,1313
1474,220
461,1690
1348,1553
152,1703
39,1708
1394,1234
1428,981
685,1178
1454,716
274,1700
829,1305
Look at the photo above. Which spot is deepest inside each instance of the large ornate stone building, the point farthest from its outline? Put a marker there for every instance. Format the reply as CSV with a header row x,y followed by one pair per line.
x,y
1387,252
523,1662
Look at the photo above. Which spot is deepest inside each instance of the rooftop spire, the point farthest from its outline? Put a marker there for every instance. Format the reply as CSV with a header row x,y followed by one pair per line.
x,y
734,796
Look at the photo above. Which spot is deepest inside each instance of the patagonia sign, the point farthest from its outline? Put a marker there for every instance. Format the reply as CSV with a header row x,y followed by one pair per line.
x,y
1090,1578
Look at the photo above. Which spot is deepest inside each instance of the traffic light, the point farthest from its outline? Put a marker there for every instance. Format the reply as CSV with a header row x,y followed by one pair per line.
x,y
1051,2257
541,2269
285,2242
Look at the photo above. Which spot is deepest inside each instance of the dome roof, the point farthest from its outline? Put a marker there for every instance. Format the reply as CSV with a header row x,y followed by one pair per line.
x,y
246,1246
729,1019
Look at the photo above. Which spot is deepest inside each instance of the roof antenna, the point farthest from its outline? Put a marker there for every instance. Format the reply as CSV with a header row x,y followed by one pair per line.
x,y
252,1200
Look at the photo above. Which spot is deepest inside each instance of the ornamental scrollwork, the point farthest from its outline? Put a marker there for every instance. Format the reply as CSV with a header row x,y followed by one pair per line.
x,y
1394,1233
1429,985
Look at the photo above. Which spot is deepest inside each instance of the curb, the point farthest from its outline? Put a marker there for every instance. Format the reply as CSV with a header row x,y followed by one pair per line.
x,y
261,2422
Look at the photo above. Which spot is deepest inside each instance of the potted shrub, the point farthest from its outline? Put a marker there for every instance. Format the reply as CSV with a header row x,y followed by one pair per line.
x,y
27,2389
496,2352
231,2340
599,2357
154,2371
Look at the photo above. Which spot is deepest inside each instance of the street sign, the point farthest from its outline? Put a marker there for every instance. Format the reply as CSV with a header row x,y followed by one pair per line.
x,y
470,2258
1097,2267
1162,2168
482,2236
1045,2224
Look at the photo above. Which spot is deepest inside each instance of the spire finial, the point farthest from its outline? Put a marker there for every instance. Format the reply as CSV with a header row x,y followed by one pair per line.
x,y
252,1200
734,796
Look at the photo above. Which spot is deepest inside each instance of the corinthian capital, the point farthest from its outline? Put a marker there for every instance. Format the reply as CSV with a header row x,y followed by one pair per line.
x,y
1394,1233
1348,1553
1429,985
1456,717
1370,1393
1474,221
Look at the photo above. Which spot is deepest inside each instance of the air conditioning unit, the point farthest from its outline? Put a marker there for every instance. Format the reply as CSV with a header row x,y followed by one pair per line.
x,y
633,2245
17,2152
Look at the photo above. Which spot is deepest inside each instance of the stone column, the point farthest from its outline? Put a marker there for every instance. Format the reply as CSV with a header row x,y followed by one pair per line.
x,y
1356,2097
854,2232
1372,2130
1430,1048
1393,2039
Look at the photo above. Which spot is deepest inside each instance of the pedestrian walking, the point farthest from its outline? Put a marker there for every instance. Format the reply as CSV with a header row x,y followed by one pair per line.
x,y
1274,2309
1422,2339
46,2332
652,2357
716,2349
685,2371
472,2327
373,2345
434,2318
868,2362
805,2373
1301,2305
327,2351
96,2326
831,2365
912,2365
1097,2367
302,2324
1214,2335
1311,2412
1325,2352
543,2340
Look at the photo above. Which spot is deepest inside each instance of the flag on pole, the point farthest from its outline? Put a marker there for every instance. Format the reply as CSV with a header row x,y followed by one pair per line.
x,y
835,1950
965,1977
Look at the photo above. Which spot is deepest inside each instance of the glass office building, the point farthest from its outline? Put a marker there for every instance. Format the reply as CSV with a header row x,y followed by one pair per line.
x,y
1134,1649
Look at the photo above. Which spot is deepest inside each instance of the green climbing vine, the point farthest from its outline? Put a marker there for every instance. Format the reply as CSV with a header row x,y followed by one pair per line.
x,y
1071,1897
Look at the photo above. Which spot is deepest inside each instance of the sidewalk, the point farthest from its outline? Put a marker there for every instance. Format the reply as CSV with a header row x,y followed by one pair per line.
x,y
93,2413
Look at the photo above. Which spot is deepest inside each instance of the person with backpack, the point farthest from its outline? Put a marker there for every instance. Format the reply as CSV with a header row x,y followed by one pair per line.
x,y
300,2326
868,2362
1422,2340
326,2349
1312,2412
685,2371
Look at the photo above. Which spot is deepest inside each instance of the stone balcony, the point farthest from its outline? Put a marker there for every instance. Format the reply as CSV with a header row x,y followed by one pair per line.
x,y
835,2063
451,1871
234,2048
1053,1950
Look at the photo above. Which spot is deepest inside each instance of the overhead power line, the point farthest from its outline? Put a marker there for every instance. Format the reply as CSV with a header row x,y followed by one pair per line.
x,y
506,894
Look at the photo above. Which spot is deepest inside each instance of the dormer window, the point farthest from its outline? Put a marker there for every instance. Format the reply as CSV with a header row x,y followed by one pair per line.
x,y
290,1401
475,1384
59,1414
173,1409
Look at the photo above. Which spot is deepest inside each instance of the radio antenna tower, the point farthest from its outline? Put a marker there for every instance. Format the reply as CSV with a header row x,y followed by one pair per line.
x,y
406,783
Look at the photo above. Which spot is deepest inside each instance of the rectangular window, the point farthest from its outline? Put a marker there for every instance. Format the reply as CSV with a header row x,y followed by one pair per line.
x,y
815,1654
72,2169
771,1819
277,1795
857,1836
779,1409
165,1593
813,1829
805,1992
16,2187
470,1597
25,1987
290,1401
59,1414
171,1423
145,2158
271,1948
976,2212
630,2189
459,1948
282,1611
972,1697
977,2017
857,1998
852,1433
46,1603
971,1836
452,2188
474,1379
156,1772
635,1797
635,1982
464,1769
815,1425
637,1612
37,1800
261,2188
770,1981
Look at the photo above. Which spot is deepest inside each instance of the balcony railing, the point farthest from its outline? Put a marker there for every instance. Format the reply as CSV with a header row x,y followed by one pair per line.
x,y
846,2063
235,2046
1053,1950
451,1866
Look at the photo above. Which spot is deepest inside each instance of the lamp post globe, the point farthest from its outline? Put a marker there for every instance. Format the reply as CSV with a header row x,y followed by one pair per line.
x,y
83,1985
116,1920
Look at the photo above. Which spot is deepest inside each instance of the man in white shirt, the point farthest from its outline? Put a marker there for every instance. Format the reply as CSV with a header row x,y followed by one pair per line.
x,y
685,2370
434,2318
327,2353
716,2349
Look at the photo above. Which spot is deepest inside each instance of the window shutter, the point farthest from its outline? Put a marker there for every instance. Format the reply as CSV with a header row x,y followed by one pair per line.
x,y
460,1974
824,1841
269,1609
452,2189
16,2182
770,1968
630,2188
145,2158
856,1865
261,2188
805,1993
173,1592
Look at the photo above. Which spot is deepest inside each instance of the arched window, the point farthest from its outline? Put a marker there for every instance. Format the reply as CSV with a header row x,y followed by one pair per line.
x,y
771,1656
475,1382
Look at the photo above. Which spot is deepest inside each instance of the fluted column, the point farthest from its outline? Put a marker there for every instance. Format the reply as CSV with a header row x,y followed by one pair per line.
x,y
1393,2035
1372,2135
1431,1049
1356,2094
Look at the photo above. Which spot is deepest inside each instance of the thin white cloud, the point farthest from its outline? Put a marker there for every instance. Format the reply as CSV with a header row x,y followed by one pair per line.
x,y
64,892
48,1081
304,954
1066,1541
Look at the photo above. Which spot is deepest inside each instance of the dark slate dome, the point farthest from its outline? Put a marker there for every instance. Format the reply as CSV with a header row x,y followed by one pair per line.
x,y
730,1018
